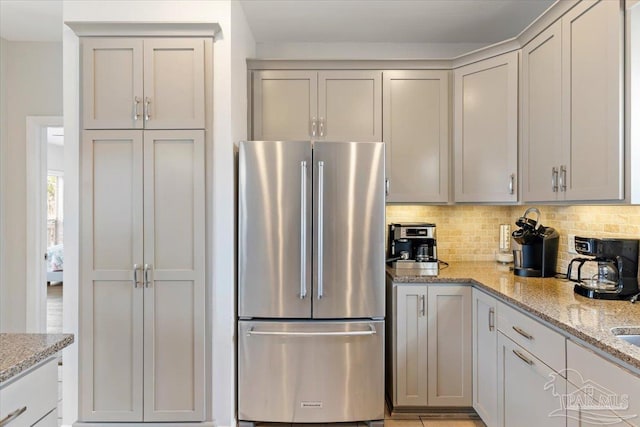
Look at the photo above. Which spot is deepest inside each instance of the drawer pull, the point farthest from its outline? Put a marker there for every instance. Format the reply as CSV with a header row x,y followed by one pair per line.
x,y
523,357
492,321
523,333
371,331
12,416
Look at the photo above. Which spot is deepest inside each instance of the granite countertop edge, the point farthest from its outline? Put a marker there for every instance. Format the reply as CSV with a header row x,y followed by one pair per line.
x,y
28,350
625,354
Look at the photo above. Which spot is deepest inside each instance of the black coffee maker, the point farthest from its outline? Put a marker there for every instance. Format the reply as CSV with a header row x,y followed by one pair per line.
x,y
614,265
539,252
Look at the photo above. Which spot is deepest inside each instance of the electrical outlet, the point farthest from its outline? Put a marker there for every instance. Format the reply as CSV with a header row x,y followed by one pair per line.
x,y
571,243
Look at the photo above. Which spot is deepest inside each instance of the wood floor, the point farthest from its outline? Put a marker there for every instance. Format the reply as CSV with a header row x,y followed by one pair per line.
x,y
54,308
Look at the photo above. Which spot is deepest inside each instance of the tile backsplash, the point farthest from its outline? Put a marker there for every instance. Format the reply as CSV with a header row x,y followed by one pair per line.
x,y
470,233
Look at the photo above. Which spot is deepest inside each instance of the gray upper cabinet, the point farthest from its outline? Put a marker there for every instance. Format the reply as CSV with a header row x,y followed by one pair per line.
x,y
541,115
416,134
572,94
134,83
486,130
343,105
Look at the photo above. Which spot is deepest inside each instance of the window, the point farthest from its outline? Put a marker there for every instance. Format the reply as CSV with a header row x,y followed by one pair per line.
x,y
55,189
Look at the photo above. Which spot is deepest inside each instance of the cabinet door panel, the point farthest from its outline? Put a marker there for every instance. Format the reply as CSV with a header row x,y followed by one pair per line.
x,y
411,346
174,301
449,366
284,104
592,91
174,83
111,83
111,305
485,133
541,117
530,393
416,135
485,358
350,105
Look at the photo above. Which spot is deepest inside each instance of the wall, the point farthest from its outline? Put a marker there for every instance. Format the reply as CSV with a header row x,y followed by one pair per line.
x,y
33,79
470,233
232,45
4,290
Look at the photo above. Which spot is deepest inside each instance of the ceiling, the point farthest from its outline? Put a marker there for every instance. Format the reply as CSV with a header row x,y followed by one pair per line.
x,y
328,21
390,21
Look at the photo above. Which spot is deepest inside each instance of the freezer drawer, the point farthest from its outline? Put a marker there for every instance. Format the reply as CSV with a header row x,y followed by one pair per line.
x,y
310,371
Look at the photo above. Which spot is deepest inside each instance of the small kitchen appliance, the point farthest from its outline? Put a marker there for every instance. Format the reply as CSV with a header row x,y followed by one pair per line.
x,y
539,252
612,273
414,246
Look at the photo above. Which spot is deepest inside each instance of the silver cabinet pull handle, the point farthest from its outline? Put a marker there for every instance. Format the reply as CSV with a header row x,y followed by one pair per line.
x,y
12,416
303,229
135,275
563,178
147,282
147,108
492,319
386,187
423,305
314,126
522,332
554,179
136,104
371,331
321,126
320,227
512,177
523,357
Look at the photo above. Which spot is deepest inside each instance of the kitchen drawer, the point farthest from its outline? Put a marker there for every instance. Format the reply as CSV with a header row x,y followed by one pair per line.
x,y
36,390
539,340
50,420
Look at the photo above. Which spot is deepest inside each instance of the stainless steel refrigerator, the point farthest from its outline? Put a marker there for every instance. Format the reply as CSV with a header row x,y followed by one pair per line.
x,y
311,282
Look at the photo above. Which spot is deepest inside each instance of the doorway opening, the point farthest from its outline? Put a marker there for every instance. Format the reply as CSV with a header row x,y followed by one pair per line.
x,y
45,219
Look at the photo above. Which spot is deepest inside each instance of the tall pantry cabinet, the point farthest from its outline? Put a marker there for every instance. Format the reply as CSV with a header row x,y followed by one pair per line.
x,y
142,248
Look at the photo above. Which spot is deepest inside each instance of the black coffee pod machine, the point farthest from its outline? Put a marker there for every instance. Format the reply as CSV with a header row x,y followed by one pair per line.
x,y
539,252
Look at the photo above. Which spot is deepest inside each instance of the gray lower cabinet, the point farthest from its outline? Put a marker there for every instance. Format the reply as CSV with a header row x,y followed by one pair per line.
x,y
530,392
429,344
485,358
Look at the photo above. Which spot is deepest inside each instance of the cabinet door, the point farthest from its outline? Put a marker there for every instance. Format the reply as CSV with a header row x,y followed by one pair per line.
x,y
530,393
486,130
583,409
174,83
449,375
174,300
285,105
112,89
416,135
541,118
613,391
411,346
592,37
485,358
111,301
350,105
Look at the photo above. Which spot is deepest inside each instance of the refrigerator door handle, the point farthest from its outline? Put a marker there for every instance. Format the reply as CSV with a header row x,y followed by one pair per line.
x,y
371,331
320,226
303,229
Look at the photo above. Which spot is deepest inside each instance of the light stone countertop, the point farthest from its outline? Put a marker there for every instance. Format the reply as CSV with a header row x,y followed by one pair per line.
x,y
19,352
549,299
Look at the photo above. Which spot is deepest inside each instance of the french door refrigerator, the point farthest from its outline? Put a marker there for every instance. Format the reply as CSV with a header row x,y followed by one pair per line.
x,y
311,282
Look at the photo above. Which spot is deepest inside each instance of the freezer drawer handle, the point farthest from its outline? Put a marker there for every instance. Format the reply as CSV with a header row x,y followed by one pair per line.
x,y
303,229
371,331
